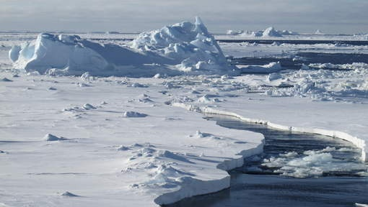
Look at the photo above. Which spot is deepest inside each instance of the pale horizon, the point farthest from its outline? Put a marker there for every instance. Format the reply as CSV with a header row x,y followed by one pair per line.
x,y
330,16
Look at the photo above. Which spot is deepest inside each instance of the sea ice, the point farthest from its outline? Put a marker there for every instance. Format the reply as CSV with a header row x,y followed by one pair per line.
x,y
310,164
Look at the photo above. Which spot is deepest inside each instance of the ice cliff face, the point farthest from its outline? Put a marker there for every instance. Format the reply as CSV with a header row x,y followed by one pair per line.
x,y
181,48
61,52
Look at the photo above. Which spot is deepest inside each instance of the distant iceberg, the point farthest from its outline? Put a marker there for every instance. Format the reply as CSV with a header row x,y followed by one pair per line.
x,y
183,48
234,32
269,32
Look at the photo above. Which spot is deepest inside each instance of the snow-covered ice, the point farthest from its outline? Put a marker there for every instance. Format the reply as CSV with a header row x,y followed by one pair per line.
x,y
109,157
158,158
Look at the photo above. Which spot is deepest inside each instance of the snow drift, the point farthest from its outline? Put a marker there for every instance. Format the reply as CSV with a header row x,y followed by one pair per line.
x,y
181,48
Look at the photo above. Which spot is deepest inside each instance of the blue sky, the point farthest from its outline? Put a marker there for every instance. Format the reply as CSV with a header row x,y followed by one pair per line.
x,y
330,16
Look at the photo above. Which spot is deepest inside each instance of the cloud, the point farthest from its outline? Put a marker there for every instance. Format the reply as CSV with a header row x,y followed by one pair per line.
x,y
139,15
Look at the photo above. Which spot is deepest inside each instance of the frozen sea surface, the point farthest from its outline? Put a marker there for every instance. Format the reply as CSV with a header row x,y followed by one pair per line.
x,y
331,174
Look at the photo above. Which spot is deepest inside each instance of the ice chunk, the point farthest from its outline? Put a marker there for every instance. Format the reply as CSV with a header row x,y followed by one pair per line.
x,y
234,32
288,32
69,194
252,34
123,148
5,80
14,53
311,164
274,76
88,106
134,114
51,137
68,38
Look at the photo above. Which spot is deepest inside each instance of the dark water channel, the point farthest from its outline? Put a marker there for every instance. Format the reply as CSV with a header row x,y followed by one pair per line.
x,y
305,58
295,169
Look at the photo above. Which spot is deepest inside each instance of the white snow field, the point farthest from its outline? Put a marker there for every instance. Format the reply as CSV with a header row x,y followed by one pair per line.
x,y
115,123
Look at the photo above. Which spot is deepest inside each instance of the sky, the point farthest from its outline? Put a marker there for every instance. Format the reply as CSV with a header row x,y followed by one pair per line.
x,y
330,16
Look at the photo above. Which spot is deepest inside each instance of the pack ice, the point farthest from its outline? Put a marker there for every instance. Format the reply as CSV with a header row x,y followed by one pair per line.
x,y
181,48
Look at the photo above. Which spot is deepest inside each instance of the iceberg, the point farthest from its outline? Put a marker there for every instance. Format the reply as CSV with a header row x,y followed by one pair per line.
x,y
268,32
271,32
183,48
190,45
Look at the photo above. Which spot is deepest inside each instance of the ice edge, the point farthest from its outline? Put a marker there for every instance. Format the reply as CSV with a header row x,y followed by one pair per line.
x,y
336,134
206,187
196,187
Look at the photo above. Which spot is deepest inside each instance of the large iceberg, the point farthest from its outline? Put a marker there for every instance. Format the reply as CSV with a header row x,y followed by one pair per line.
x,y
191,45
183,48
